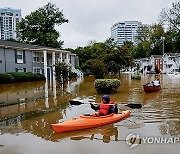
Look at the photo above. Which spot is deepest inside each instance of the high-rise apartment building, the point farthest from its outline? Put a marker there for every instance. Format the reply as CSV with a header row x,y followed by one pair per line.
x,y
8,19
125,31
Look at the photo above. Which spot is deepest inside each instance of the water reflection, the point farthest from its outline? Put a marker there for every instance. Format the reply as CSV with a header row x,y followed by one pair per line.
x,y
73,86
27,97
46,95
171,127
106,134
148,97
54,94
20,92
23,97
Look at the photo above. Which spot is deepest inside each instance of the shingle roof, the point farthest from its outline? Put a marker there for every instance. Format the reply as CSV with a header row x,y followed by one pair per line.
x,y
157,56
11,44
172,54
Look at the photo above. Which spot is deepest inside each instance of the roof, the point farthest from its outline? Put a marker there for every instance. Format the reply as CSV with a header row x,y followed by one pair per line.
x,y
172,54
17,45
157,56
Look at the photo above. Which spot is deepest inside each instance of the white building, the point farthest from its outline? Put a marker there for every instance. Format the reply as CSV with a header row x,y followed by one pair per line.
x,y
144,64
125,31
8,19
171,62
167,63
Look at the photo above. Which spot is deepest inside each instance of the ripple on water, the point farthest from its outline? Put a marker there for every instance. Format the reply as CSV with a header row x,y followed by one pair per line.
x,y
160,112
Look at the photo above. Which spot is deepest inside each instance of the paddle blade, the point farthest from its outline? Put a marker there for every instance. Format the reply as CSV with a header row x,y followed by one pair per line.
x,y
75,102
134,106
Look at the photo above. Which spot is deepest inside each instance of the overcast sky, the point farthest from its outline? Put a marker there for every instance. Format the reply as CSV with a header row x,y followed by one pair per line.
x,y
92,19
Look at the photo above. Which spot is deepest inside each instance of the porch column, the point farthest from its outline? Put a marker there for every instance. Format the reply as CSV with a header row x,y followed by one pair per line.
x,y
67,58
50,77
54,76
61,57
53,68
45,63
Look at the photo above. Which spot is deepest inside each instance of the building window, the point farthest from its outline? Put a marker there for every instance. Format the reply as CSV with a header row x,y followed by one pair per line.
x,y
36,57
17,20
19,57
20,69
37,70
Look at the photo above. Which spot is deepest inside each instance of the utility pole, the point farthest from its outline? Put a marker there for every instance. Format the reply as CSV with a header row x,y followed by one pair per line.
x,y
163,43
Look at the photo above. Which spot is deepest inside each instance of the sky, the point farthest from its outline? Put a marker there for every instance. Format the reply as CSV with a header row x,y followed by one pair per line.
x,y
91,20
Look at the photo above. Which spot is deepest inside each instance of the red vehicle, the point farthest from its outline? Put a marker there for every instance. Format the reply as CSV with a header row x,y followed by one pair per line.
x,y
150,87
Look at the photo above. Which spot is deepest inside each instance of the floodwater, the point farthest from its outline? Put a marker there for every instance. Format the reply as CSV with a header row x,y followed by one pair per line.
x,y
25,126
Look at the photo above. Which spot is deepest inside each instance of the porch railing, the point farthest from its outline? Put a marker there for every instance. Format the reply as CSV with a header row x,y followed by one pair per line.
x,y
77,71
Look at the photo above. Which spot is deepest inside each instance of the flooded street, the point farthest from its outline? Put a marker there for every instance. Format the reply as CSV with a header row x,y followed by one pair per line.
x,y
25,127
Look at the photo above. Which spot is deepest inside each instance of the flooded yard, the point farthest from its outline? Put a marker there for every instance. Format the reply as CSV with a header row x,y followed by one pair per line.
x,y
25,126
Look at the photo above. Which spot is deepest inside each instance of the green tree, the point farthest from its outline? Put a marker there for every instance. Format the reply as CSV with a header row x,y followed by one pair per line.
x,y
171,16
104,53
63,72
126,58
177,42
119,57
142,34
112,67
143,49
170,41
155,35
98,69
110,43
39,27
143,43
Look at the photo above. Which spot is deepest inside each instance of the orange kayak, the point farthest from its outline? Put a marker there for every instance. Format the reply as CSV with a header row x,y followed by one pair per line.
x,y
84,122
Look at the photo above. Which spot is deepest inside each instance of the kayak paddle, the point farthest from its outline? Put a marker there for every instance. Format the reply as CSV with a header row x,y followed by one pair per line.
x,y
76,102
133,106
130,105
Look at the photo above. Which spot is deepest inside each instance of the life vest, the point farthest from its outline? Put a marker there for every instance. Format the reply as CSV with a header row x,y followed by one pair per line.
x,y
104,108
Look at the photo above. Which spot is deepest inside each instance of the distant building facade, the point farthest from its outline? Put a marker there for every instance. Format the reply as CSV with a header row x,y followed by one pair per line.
x,y
125,31
8,20
166,63
171,62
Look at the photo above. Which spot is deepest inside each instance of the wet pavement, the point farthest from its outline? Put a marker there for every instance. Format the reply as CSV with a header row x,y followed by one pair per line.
x,y
25,126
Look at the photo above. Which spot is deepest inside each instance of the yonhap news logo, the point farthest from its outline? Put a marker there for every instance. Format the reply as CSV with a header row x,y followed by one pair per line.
x,y
133,140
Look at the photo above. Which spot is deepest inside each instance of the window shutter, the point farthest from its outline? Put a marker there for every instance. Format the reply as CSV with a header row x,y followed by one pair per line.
x,y
15,52
24,57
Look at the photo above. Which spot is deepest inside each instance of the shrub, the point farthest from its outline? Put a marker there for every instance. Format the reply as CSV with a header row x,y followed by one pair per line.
x,y
106,86
39,77
136,76
6,78
26,76
20,76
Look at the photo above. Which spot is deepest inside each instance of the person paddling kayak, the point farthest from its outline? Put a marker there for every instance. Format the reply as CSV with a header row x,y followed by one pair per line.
x,y
105,107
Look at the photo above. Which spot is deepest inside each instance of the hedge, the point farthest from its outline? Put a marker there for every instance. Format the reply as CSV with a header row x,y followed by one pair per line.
x,y
136,76
6,78
20,77
106,86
